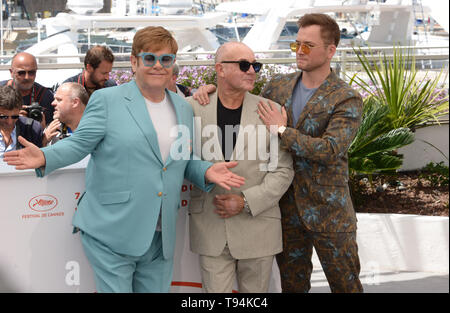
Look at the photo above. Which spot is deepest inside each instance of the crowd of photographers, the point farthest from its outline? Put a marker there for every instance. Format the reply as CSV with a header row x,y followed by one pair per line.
x,y
34,112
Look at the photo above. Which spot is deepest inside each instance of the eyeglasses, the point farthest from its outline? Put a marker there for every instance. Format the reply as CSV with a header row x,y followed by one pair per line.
x,y
5,117
149,59
30,73
245,65
304,47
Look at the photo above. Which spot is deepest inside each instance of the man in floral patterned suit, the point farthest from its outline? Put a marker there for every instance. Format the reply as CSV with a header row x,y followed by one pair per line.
x,y
317,124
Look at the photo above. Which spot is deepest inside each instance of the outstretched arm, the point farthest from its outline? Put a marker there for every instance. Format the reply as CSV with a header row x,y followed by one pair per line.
x,y
30,157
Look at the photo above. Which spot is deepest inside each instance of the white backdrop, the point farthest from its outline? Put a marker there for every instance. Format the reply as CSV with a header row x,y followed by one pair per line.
x,y
39,253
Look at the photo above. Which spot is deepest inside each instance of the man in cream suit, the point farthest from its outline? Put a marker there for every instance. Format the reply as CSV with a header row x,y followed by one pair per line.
x,y
238,232
127,215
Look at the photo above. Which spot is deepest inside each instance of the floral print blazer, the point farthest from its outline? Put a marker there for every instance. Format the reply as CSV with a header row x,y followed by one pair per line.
x,y
319,144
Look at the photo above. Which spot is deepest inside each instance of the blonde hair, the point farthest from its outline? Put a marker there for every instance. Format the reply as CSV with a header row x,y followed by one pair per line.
x,y
153,38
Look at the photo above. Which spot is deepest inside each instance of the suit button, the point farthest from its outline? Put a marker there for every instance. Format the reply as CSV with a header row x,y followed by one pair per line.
x,y
164,169
159,194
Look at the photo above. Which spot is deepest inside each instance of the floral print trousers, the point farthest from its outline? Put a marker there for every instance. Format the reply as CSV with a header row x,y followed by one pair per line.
x,y
337,252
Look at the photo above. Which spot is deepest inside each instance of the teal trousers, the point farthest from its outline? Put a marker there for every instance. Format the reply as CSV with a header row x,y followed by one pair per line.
x,y
121,273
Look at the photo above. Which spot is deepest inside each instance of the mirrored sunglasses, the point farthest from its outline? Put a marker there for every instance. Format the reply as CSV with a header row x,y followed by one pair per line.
x,y
150,59
304,47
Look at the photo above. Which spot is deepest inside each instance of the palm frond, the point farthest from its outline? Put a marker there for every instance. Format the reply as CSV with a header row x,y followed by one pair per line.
x,y
398,101
390,141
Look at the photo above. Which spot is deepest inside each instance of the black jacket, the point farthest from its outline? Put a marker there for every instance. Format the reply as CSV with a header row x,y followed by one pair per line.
x,y
29,129
42,95
185,90
80,80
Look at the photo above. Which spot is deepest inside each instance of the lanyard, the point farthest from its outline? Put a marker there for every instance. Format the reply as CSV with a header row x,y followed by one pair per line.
x,y
32,96
81,79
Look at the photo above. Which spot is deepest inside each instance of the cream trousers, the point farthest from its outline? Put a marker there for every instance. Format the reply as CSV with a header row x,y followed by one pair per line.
x,y
219,273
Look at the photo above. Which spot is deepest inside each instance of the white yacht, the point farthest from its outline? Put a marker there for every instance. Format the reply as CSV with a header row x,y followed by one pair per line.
x,y
264,27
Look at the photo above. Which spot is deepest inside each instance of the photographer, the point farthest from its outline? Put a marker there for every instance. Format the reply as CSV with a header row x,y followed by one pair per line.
x,y
12,125
70,102
36,98
98,64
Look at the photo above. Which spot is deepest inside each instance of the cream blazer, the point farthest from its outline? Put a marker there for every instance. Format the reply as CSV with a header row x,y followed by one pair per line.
x,y
268,173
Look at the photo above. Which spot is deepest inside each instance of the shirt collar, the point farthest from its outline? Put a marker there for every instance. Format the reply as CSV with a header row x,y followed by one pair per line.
x,y
12,146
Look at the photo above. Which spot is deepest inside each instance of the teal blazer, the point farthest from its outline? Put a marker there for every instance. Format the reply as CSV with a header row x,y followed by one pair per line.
x,y
126,181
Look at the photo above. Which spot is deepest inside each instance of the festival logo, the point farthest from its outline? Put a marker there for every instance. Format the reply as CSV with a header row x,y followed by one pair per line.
x,y
43,203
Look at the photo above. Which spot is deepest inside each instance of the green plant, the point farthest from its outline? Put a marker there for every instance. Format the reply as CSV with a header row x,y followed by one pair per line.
x,y
196,76
394,83
373,148
396,101
121,76
436,173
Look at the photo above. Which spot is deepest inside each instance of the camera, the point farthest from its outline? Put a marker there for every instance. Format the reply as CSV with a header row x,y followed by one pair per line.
x,y
64,131
34,111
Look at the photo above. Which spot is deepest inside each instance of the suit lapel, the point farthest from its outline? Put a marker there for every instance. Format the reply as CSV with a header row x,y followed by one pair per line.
x,y
315,99
211,116
136,106
246,119
290,91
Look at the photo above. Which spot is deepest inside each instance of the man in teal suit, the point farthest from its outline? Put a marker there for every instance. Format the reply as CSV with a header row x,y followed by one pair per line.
x,y
134,133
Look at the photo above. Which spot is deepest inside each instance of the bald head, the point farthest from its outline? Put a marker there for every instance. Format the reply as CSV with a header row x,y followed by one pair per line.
x,y
23,71
23,58
231,76
230,50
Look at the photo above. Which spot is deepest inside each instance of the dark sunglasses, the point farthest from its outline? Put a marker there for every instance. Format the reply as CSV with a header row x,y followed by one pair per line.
x,y
5,117
30,73
150,59
245,65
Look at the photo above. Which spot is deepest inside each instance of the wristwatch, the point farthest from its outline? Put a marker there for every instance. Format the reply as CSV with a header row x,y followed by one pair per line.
x,y
246,206
281,130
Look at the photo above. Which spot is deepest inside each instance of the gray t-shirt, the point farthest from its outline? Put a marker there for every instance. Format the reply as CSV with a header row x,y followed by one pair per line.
x,y
300,98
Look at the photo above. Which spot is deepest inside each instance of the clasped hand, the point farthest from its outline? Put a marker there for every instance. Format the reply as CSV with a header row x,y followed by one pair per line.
x,y
228,205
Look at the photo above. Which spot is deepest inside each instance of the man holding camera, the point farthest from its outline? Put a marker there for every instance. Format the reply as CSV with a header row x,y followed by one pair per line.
x,y
12,125
36,98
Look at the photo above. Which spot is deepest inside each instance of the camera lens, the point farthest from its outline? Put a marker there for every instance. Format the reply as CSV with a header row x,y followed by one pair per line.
x,y
35,114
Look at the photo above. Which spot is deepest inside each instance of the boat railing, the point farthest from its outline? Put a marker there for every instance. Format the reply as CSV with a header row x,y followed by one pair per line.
x,y
432,58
